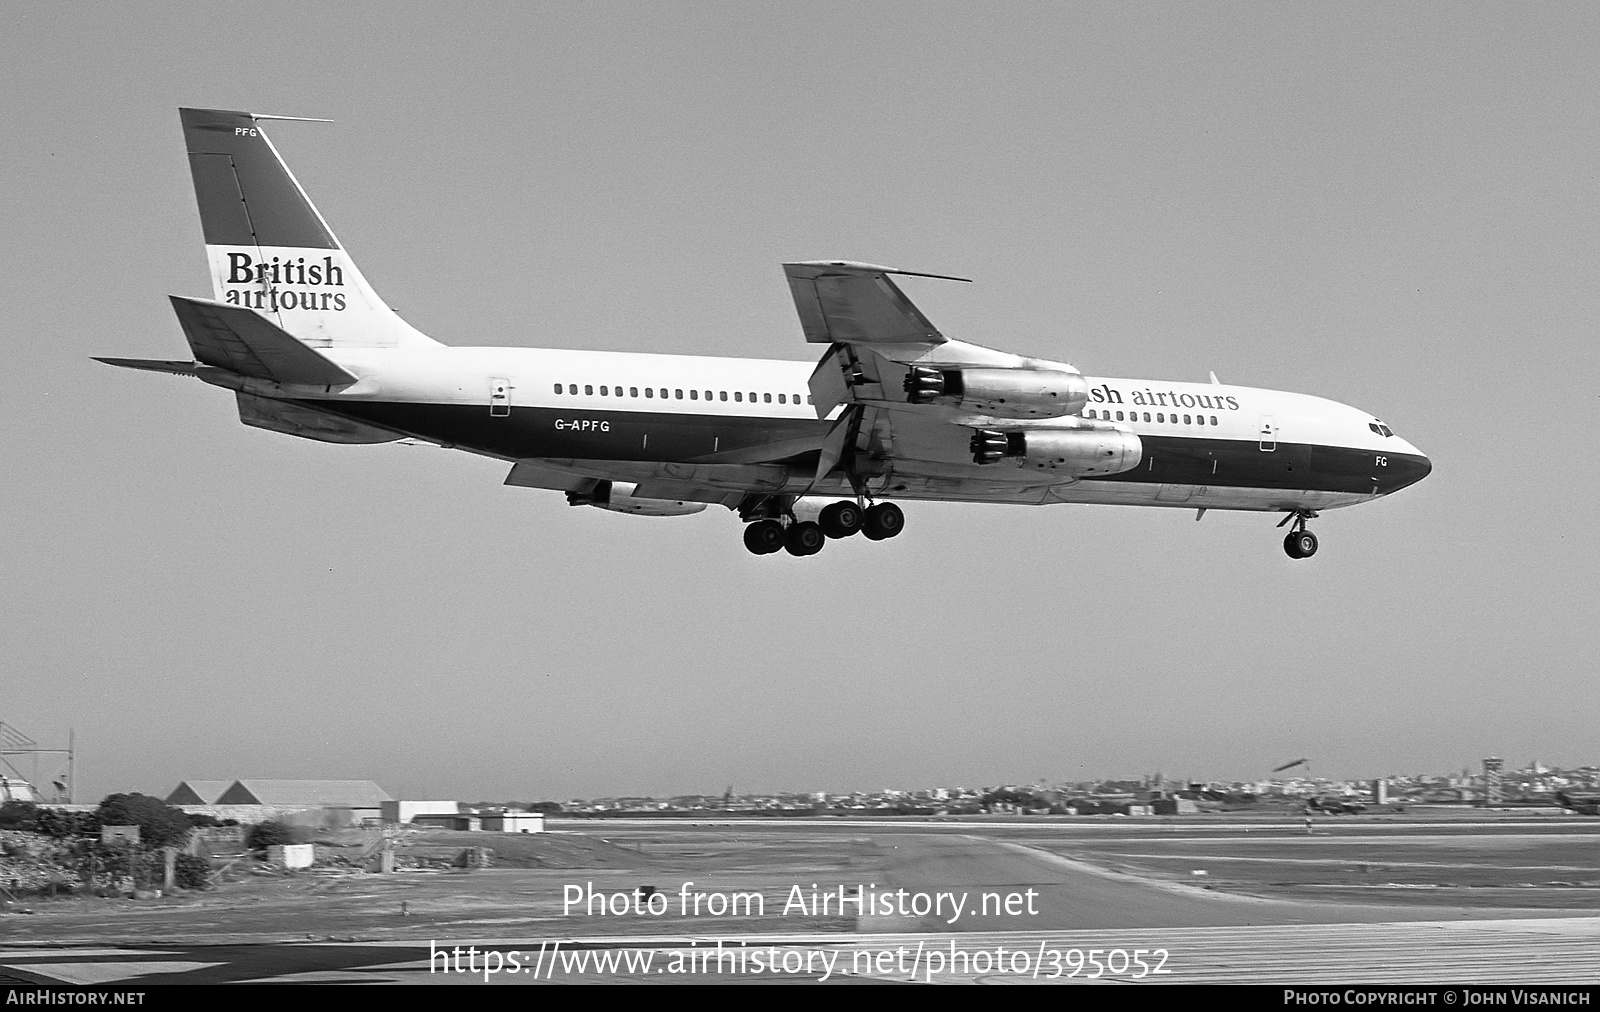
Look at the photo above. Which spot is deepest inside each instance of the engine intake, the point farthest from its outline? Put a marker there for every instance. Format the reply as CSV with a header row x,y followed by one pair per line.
x,y
1009,393
1082,453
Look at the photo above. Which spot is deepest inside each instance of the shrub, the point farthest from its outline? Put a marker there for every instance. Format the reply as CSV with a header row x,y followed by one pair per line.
x,y
146,869
19,815
160,825
192,872
66,825
276,834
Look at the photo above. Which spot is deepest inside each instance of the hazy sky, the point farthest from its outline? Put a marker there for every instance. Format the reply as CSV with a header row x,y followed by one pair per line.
x,y
1392,205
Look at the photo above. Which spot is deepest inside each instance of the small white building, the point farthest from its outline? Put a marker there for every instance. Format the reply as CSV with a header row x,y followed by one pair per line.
x,y
514,822
12,789
292,855
404,812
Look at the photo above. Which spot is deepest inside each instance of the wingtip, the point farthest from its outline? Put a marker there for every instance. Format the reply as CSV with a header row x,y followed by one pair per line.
x,y
858,267
176,368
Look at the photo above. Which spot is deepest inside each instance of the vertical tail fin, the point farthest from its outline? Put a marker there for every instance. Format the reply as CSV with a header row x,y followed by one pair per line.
x,y
269,249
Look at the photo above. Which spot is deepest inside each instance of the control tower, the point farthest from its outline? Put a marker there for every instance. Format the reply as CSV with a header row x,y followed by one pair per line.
x,y
1491,780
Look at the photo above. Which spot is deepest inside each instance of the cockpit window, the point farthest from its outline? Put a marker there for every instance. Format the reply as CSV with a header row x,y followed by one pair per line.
x,y
1380,428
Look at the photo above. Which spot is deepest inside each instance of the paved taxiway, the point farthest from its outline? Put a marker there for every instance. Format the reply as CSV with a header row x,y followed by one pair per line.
x,y
1073,895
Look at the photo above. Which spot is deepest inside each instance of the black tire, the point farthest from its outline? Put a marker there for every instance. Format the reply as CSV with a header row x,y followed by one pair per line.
x,y
1300,544
804,538
1307,544
763,537
841,519
883,521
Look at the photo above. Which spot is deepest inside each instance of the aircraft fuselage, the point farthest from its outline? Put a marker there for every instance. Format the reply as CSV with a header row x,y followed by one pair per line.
x,y
1211,445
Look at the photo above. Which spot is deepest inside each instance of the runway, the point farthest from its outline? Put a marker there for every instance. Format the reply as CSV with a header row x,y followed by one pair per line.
x,y
1539,952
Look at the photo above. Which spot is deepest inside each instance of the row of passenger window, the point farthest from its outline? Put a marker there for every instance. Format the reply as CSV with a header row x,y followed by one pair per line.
x,y
1161,416
663,392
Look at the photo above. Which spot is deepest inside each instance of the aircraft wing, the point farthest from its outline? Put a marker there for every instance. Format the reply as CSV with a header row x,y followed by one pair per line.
x,y
865,317
871,327
844,302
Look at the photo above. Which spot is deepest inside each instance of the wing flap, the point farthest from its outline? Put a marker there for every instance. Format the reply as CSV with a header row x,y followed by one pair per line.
x,y
839,438
827,382
687,491
533,474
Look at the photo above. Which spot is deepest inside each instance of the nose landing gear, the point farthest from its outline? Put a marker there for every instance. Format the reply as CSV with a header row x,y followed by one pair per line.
x,y
1299,543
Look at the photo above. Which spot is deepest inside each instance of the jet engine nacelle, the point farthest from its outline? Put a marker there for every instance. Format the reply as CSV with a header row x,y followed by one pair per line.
x,y
618,497
1008,393
1082,453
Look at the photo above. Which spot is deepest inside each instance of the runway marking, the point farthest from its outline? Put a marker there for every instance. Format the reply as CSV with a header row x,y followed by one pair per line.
x,y
1524,950
104,973
8,955
1300,838
325,977
1349,862
1145,822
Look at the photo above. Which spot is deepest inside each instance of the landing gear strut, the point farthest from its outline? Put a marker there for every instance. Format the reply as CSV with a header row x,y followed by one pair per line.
x,y
1299,543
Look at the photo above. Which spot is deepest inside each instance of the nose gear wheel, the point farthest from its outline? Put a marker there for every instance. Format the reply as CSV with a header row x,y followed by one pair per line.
x,y
1300,543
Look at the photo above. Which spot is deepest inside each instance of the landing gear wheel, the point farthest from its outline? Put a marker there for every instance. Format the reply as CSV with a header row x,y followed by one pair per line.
x,y
804,538
841,519
883,521
764,537
1300,544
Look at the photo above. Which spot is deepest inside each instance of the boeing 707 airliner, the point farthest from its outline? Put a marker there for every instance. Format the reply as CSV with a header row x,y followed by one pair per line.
x,y
803,452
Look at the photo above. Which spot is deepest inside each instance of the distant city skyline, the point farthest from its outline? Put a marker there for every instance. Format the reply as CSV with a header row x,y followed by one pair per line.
x,y
50,775
1545,776
1588,774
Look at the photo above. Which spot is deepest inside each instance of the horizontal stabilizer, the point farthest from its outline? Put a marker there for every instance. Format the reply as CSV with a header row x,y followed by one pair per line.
x,y
243,341
150,365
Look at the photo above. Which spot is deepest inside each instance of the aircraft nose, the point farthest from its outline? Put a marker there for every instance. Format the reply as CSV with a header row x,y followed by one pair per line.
x,y
1407,469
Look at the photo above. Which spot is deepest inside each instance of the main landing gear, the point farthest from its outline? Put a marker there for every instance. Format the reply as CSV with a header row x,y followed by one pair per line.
x,y
837,520
1299,543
